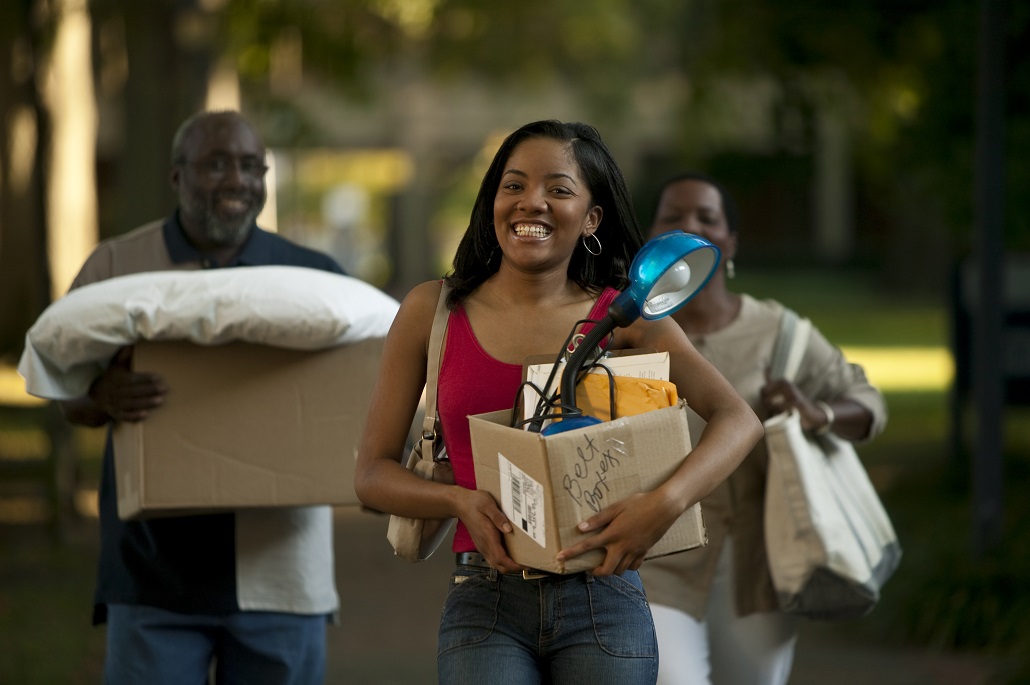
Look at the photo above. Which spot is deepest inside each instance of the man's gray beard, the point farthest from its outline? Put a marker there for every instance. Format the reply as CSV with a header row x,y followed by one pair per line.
x,y
225,234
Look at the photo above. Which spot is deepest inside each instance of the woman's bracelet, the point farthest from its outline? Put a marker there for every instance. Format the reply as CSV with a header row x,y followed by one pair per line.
x,y
826,427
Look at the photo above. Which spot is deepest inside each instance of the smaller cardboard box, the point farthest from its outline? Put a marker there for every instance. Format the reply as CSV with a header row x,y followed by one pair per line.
x,y
547,485
245,425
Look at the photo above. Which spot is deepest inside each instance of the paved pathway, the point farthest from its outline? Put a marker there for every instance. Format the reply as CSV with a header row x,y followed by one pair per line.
x,y
388,626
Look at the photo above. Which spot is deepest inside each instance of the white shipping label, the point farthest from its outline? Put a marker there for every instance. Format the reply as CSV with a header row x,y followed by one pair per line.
x,y
522,500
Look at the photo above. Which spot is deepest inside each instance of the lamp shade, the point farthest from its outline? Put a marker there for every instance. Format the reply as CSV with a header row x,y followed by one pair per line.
x,y
667,271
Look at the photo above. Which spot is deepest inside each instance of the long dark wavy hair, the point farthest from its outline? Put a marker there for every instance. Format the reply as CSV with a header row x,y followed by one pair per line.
x,y
478,256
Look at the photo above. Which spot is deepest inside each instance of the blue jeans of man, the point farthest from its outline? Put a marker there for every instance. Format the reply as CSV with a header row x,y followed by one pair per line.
x,y
158,647
506,630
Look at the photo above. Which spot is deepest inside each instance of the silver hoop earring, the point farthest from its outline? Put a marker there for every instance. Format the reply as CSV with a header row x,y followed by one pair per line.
x,y
731,269
586,245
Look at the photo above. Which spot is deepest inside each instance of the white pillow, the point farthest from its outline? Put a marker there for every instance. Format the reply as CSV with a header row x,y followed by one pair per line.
x,y
284,306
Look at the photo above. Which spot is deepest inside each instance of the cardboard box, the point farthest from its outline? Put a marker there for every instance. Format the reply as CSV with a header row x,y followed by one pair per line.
x,y
547,485
245,425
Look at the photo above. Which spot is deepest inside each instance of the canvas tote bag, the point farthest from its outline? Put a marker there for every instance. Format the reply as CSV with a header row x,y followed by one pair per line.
x,y
417,539
830,543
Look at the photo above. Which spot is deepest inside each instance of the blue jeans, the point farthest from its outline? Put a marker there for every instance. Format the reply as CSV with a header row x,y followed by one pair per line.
x,y
505,630
158,647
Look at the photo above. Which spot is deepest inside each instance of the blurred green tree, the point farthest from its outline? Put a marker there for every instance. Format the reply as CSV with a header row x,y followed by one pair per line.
x,y
903,75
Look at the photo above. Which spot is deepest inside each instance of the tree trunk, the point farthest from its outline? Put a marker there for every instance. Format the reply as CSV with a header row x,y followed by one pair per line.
x,y
170,53
24,276
66,89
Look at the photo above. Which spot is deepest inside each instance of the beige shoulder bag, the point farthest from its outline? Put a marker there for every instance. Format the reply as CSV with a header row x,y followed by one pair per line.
x,y
417,539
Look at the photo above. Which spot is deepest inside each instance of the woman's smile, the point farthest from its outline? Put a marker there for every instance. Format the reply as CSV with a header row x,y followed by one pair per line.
x,y
531,230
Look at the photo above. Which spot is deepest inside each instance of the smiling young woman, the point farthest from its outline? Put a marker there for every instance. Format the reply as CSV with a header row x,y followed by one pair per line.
x,y
550,239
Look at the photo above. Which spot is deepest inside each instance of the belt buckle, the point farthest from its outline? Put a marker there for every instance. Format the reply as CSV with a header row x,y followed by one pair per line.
x,y
533,574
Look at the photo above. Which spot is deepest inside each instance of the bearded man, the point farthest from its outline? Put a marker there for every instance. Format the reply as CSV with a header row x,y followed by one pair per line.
x,y
244,594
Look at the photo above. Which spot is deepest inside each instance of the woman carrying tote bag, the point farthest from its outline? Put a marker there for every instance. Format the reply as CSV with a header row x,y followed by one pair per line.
x,y
716,610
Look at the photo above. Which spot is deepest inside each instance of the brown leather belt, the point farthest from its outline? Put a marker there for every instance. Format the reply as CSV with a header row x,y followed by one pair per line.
x,y
477,560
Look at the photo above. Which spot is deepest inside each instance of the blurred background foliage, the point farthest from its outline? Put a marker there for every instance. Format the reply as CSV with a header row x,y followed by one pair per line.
x,y
846,130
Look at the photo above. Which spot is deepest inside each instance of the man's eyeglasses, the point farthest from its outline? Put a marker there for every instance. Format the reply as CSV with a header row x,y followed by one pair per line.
x,y
216,167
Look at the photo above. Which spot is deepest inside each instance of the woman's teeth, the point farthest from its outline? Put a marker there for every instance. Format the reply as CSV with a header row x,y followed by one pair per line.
x,y
525,231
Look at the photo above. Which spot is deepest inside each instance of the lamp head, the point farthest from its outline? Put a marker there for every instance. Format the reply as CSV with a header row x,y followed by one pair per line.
x,y
666,273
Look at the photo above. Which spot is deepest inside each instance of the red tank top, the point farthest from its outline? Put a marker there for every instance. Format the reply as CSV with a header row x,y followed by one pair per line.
x,y
472,382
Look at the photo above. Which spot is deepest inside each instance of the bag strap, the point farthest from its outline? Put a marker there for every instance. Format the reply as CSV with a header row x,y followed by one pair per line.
x,y
790,345
430,423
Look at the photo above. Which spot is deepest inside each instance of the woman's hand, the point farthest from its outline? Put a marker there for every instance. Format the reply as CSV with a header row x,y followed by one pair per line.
x,y
487,524
849,419
626,531
781,395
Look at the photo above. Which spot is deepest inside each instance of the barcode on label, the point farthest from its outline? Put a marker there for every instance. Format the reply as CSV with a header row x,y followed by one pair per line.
x,y
522,500
516,498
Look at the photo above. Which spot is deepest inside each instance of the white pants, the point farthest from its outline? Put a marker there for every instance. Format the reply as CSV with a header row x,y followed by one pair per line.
x,y
724,649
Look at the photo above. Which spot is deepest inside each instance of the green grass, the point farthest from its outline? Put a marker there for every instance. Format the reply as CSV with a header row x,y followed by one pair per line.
x,y
850,310
948,594
45,604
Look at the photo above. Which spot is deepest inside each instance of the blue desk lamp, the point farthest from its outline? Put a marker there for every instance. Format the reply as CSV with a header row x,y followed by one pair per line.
x,y
667,271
